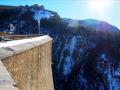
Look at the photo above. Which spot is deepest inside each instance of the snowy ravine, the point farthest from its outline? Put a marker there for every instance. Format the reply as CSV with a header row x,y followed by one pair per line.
x,y
84,56
84,71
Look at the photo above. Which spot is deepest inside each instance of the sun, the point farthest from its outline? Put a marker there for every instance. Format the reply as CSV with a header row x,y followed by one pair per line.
x,y
100,5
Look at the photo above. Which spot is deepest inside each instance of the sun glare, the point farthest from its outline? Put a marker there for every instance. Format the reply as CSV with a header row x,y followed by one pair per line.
x,y
100,5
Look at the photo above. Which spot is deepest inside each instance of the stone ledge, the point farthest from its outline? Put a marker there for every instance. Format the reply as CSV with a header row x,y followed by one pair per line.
x,y
10,48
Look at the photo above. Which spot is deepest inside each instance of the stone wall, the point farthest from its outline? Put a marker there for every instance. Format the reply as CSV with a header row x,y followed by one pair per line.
x,y
31,68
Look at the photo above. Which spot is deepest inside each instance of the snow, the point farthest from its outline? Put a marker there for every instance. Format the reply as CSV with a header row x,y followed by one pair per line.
x,y
117,71
68,65
113,82
82,79
72,44
111,73
104,56
17,42
41,14
68,61
73,23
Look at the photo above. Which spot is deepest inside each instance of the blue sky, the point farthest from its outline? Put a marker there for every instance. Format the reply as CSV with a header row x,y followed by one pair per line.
x,y
77,9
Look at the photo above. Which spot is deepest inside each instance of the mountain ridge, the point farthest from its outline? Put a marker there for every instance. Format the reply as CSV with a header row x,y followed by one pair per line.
x,y
92,24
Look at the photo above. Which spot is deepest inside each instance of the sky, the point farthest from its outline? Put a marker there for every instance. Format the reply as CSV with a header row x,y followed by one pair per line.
x,y
106,10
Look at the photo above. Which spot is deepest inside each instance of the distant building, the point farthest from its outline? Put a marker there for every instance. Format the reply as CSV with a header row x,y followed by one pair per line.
x,y
11,29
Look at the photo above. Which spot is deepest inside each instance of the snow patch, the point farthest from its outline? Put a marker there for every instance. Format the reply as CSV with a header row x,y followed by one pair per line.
x,y
67,65
72,44
38,14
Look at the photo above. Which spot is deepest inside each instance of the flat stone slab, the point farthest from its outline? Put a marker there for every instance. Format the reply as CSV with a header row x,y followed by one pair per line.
x,y
5,78
8,87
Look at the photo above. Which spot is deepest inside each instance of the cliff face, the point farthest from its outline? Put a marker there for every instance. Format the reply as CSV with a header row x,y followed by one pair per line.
x,y
87,61
86,55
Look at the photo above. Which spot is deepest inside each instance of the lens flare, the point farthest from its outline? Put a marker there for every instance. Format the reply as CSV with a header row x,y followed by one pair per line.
x,y
100,5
